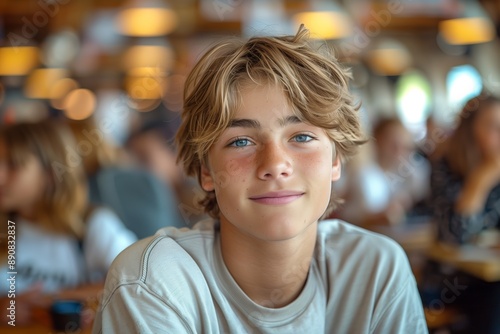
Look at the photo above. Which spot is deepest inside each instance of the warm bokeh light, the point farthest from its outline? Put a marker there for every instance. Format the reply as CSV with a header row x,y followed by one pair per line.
x,y
79,104
148,56
60,90
146,71
389,61
145,87
18,60
146,21
325,25
467,30
40,82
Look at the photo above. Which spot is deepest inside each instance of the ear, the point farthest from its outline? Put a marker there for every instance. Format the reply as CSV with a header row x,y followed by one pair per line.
x,y
207,181
336,169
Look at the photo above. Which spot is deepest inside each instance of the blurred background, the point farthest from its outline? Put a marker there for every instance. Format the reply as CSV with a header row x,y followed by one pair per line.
x,y
114,71
127,60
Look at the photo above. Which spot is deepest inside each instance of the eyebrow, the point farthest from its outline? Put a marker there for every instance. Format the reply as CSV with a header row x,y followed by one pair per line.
x,y
251,123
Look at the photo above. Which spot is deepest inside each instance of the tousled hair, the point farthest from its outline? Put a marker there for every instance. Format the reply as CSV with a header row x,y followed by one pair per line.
x,y
314,83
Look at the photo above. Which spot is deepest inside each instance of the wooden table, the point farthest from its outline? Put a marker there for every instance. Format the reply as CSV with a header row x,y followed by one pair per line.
x,y
483,263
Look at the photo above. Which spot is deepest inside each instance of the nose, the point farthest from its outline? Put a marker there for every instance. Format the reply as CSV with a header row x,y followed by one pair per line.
x,y
274,162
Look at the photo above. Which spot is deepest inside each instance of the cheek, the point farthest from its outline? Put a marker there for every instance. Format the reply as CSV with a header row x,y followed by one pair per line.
x,y
25,189
232,171
34,185
317,164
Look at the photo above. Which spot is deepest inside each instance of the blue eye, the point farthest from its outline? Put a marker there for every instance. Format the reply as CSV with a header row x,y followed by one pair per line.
x,y
302,138
240,143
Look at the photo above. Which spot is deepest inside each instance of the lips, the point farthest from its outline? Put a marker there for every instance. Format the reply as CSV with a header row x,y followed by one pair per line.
x,y
277,197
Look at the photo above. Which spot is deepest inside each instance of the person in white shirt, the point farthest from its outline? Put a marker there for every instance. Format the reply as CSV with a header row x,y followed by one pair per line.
x,y
387,187
265,126
56,241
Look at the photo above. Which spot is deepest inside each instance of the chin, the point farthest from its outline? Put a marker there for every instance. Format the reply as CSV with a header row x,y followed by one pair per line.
x,y
283,228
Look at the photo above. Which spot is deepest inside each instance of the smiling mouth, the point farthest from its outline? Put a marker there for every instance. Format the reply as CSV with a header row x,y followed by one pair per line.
x,y
277,198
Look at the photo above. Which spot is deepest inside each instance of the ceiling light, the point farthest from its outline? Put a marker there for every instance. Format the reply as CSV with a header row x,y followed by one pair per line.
x,y
473,26
18,60
325,20
146,18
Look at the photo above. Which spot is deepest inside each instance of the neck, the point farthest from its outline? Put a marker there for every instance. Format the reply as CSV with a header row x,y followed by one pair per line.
x,y
271,273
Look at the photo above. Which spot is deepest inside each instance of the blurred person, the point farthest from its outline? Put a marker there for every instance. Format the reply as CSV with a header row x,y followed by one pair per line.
x,y
466,195
433,145
265,125
466,181
149,145
137,196
385,186
60,241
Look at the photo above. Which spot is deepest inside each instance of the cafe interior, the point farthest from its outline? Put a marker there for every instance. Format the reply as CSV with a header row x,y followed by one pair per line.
x,y
111,74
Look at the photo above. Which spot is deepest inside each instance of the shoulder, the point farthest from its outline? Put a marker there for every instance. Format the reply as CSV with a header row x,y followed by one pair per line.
x,y
370,274
169,258
161,275
340,243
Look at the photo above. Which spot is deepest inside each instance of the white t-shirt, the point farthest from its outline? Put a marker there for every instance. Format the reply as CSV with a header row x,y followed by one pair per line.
x,y
58,261
176,282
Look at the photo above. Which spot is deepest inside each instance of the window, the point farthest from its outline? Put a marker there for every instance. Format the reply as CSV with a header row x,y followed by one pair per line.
x,y
413,101
463,82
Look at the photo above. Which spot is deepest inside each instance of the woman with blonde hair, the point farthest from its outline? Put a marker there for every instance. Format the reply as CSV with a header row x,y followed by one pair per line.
x,y
60,242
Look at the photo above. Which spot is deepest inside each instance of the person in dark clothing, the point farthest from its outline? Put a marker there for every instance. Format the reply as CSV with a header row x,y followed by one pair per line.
x,y
465,186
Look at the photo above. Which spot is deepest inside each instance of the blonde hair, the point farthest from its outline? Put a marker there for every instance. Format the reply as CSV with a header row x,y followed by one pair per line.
x,y
314,83
63,205
462,152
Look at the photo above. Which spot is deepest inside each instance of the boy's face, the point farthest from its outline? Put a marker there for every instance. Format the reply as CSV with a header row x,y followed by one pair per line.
x,y
271,173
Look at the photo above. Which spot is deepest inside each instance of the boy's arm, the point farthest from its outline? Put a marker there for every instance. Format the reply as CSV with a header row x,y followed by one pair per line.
x,y
131,308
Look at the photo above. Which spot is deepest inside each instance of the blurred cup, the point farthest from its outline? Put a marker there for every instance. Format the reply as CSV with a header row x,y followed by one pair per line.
x,y
66,315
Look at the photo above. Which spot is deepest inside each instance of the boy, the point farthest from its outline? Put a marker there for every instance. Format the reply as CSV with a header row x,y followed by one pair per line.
x,y
265,126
